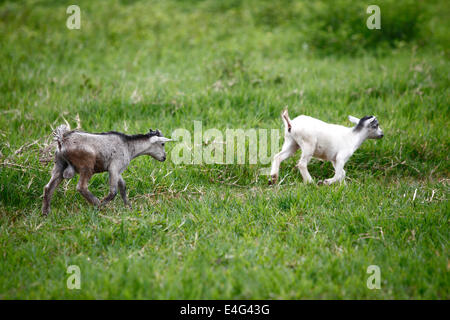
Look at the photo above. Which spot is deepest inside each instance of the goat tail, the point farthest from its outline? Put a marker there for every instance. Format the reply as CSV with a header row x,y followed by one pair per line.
x,y
286,120
58,134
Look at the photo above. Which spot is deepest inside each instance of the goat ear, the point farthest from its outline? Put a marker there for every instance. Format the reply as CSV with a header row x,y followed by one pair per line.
x,y
164,139
353,119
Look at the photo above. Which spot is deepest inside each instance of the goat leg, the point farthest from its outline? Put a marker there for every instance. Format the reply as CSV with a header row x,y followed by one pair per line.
x,y
123,192
113,187
82,187
55,180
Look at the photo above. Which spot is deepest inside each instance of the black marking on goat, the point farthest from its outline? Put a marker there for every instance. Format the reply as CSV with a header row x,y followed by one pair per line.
x,y
133,137
124,136
361,122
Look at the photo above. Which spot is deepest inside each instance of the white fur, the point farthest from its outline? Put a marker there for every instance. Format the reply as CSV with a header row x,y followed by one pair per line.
x,y
329,142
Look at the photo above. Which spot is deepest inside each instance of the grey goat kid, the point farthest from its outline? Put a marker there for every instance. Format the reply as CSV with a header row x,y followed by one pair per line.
x,y
90,153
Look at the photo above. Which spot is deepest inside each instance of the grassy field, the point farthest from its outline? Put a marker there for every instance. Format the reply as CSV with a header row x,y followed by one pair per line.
x,y
219,231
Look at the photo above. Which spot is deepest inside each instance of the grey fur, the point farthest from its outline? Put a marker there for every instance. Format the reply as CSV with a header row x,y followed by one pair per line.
x,y
89,153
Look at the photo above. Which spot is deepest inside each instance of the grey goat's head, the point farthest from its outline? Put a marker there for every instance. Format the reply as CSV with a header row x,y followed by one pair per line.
x,y
157,143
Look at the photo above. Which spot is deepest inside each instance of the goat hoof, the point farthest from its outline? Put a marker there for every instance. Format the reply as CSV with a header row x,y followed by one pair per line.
x,y
320,182
45,211
273,180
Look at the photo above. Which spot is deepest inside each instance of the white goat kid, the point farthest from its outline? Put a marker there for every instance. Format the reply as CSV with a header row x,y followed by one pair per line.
x,y
329,142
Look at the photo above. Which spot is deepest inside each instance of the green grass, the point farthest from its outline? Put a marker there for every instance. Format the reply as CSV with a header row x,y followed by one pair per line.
x,y
218,231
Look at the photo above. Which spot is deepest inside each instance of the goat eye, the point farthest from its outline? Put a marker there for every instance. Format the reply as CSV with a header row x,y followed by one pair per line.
x,y
163,144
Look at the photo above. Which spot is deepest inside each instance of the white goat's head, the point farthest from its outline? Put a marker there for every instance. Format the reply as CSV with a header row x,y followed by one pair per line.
x,y
367,125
